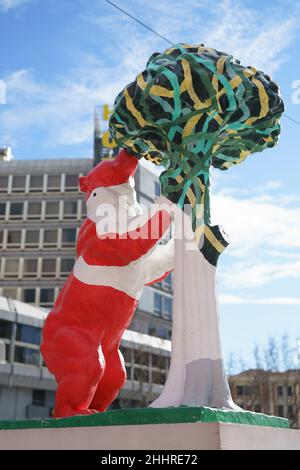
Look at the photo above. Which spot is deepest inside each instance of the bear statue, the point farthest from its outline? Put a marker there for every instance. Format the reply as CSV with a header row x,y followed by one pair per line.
x,y
115,259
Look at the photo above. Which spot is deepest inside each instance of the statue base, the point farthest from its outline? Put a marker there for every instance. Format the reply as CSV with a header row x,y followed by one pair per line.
x,y
153,428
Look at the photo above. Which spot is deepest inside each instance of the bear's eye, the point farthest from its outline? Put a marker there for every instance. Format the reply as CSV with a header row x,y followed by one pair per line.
x,y
94,194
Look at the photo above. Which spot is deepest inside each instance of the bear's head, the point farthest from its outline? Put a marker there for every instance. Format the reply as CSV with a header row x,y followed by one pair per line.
x,y
111,184
107,173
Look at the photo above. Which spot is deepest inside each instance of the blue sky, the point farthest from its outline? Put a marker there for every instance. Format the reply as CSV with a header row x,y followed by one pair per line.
x,y
61,58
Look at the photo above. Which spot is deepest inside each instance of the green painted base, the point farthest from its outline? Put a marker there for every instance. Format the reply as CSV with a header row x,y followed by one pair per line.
x,y
182,414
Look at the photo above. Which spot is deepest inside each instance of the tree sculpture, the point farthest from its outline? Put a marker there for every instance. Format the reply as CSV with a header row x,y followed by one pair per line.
x,y
194,107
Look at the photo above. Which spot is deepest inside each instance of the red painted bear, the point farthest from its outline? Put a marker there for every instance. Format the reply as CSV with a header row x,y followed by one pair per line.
x,y
117,254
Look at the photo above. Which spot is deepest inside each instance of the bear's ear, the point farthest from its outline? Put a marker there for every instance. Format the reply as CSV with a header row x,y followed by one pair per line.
x,y
82,184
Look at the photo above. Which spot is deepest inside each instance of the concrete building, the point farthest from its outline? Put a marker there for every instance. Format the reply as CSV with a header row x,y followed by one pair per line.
x,y
41,210
275,393
27,388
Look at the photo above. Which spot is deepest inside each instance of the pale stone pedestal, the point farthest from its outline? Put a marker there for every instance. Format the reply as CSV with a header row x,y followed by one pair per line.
x,y
175,436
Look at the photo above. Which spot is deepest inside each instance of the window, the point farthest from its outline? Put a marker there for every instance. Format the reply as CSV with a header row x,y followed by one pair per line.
x,y
30,268
167,310
156,189
290,390
3,183
27,355
28,334
163,305
152,330
16,210
36,182
158,361
38,397
2,210
32,238
34,210
141,357
13,237
71,182
50,237
18,183
68,236
1,236
158,377
162,332
47,297
167,282
6,358
83,210
29,296
290,412
54,182
129,372
141,375
157,303
11,267
279,391
10,292
280,410
66,266
52,210
48,267
5,329
70,209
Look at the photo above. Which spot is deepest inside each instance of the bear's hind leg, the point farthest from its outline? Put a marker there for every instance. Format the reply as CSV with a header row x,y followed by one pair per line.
x,y
111,382
77,387
78,364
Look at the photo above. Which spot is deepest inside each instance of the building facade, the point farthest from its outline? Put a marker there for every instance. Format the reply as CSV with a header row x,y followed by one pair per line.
x,y
274,393
41,210
27,388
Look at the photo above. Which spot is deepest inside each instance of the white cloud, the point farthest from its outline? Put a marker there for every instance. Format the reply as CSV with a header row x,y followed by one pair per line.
x,y
250,34
252,273
264,232
228,25
6,5
64,110
217,182
234,299
265,221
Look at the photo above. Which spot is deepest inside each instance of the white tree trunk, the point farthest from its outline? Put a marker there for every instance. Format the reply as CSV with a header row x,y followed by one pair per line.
x,y
196,376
